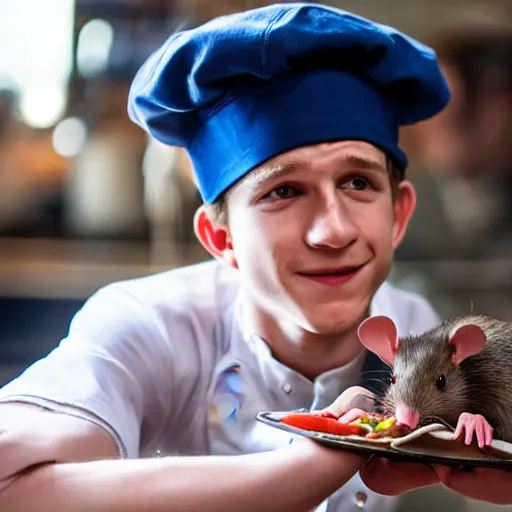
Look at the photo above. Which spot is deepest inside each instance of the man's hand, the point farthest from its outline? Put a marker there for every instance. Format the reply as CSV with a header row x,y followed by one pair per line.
x,y
393,478
379,474
355,397
484,484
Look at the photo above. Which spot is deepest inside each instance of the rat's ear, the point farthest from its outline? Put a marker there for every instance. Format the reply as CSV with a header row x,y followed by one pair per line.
x,y
378,334
466,341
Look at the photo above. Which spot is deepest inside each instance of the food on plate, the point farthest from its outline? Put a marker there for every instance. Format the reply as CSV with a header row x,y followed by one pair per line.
x,y
321,422
370,426
377,426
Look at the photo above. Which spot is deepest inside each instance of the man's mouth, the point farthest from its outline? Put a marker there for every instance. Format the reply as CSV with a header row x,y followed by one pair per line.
x,y
332,276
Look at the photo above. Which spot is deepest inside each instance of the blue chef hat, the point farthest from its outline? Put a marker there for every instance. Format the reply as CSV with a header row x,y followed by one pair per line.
x,y
242,88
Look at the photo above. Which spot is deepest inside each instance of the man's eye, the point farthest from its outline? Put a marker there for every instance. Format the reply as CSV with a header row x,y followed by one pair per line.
x,y
282,192
358,183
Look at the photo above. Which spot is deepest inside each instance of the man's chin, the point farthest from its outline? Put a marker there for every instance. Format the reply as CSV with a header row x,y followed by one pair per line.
x,y
330,320
332,328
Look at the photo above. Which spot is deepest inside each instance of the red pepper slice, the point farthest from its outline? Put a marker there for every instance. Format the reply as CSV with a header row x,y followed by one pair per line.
x,y
321,423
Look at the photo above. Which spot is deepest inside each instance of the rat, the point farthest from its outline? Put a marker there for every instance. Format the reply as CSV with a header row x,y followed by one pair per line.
x,y
458,373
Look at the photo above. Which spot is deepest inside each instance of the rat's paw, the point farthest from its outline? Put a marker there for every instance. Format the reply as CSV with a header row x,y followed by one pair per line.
x,y
352,415
474,424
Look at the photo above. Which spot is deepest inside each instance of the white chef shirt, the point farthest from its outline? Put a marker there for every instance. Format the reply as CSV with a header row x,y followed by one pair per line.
x,y
166,366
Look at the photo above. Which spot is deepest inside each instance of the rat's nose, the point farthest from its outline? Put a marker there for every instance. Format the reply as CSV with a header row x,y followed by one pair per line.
x,y
407,416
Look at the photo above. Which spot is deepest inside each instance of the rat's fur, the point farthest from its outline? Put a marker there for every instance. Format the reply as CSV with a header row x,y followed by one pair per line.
x,y
481,384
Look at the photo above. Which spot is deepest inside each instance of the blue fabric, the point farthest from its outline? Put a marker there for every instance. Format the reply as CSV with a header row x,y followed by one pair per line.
x,y
243,88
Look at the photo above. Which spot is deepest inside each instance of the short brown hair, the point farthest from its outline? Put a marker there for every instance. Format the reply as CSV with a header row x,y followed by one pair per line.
x,y
218,210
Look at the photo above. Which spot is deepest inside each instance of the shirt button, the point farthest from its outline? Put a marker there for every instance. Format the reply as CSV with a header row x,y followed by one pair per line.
x,y
287,388
361,499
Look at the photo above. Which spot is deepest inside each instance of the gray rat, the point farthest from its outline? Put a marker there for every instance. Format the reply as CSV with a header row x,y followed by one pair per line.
x,y
459,372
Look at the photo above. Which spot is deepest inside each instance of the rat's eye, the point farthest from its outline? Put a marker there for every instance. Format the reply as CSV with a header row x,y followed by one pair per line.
x,y
441,382
393,379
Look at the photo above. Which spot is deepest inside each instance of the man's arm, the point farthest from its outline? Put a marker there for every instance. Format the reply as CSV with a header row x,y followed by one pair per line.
x,y
31,436
51,462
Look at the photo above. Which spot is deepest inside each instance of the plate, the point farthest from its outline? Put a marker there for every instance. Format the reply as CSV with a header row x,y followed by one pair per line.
x,y
431,444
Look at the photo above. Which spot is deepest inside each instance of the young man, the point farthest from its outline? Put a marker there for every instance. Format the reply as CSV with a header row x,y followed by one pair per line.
x,y
290,114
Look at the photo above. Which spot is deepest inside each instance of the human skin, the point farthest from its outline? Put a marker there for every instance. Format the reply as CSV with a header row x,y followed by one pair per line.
x,y
314,209
338,211
51,461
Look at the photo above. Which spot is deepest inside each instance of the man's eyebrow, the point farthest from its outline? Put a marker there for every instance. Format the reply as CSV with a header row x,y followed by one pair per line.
x,y
271,171
364,163
267,172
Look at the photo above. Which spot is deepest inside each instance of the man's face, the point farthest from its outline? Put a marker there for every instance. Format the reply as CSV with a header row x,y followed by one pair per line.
x,y
313,234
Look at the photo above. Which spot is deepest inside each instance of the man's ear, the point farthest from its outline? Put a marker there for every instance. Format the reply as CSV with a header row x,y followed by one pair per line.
x,y
404,206
215,239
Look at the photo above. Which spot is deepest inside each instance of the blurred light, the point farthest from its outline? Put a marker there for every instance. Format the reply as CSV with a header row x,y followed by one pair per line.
x,y
93,47
42,105
69,136
37,54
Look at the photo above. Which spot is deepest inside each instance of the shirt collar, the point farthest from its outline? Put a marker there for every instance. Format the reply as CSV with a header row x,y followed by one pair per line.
x,y
367,369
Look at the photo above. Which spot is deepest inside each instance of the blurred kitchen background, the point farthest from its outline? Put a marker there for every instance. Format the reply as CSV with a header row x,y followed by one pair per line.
x,y
87,198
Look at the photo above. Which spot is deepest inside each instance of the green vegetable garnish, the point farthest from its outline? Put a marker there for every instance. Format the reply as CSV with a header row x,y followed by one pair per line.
x,y
359,423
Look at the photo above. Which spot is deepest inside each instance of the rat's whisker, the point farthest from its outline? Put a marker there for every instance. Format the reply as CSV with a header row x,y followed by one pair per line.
x,y
380,385
372,371
381,381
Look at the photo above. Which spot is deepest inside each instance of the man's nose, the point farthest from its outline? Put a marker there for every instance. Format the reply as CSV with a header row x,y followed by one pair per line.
x,y
332,227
